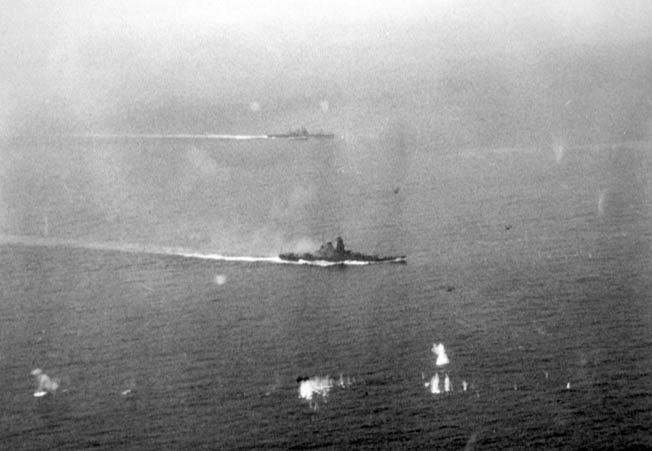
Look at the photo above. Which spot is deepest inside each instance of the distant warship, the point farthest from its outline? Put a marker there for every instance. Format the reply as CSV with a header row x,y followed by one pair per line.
x,y
302,134
338,254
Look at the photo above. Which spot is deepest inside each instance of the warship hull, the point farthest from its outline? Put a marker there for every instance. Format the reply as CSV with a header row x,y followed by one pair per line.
x,y
339,255
353,257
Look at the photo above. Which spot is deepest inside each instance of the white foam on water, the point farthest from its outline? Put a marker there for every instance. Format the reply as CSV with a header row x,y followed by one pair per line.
x,y
344,382
447,384
169,136
434,384
313,387
220,279
221,257
45,385
440,352
277,260
325,263
164,250
464,385
318,387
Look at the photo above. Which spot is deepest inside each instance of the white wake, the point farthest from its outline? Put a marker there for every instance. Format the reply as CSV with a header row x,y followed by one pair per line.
x,y
167,136
161,250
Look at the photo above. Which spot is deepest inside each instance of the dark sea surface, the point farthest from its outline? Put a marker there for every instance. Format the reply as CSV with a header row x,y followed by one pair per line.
x,y
532,265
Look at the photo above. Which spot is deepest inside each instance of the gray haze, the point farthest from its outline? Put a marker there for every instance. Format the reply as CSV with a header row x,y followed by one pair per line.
x,y
389,78
179,66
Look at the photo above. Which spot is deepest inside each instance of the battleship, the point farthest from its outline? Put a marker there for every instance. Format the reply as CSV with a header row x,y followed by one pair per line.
x,y
301,134
338,254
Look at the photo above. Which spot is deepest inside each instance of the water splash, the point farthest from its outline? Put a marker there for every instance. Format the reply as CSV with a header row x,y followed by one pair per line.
x,y
440,352
447,384
44,384
220,279
318,387
434,384
310,388
345,382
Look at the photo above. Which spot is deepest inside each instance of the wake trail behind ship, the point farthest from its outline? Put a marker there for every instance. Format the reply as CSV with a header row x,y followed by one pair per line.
x,y
27,240
170,136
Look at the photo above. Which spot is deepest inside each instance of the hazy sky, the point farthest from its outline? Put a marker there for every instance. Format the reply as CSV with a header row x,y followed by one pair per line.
x,y
446,74
78,58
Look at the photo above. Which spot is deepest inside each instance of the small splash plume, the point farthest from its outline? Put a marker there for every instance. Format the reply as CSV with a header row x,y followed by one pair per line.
x,y
129,388
44,384
345,382
440,352
310,388
568,386
220,279
319,386
447,384
434,384
464,385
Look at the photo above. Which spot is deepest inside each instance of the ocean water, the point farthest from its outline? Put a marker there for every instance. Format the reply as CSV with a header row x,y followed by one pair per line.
x,y
532,265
